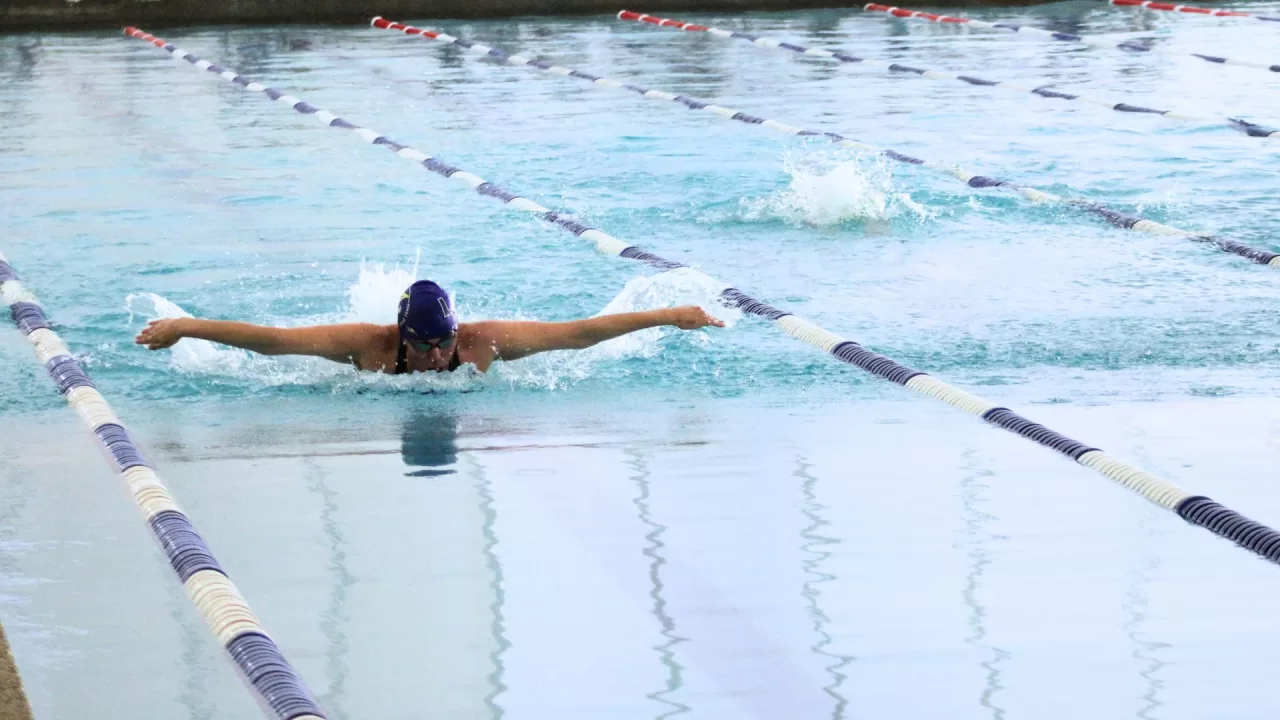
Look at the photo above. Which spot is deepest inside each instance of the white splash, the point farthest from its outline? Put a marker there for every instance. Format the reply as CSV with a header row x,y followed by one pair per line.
x,y
376,294
374,297
827,189
683,286
188,354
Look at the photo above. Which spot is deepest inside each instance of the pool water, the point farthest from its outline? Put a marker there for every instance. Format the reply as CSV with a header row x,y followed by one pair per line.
x,y
718,524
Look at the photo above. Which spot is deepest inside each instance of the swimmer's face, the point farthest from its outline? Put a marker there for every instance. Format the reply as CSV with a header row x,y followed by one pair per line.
x,y
435,353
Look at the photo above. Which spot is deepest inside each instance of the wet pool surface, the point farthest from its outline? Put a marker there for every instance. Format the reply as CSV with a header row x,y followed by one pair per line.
x,y
717,524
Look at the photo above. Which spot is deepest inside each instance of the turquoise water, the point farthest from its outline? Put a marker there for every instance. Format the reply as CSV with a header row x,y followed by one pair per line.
x,y
714,524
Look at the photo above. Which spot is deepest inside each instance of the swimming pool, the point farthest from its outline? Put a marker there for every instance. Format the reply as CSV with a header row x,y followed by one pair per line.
x,y
722,524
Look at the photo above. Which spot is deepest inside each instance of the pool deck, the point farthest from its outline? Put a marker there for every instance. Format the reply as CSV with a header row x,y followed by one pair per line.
x,y
13,701
17,15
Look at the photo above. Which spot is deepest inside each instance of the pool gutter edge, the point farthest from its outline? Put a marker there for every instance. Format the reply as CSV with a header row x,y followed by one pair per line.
x,y
13,699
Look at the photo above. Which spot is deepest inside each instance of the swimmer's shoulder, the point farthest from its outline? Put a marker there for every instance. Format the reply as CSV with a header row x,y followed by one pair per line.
x,y
472,335
476,345
379,347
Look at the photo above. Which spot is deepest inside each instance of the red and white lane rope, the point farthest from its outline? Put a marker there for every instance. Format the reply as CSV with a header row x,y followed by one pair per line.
x,y
1065,37
1191,9
1114,217
1045,91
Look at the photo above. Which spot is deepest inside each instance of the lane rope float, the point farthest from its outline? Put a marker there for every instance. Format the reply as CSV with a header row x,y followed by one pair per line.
x,y
1114,217
1196,509
1190,9
1044,91
1129,45
279,689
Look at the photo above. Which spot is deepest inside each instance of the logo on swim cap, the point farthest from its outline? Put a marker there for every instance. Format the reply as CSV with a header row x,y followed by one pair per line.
x,y
426,312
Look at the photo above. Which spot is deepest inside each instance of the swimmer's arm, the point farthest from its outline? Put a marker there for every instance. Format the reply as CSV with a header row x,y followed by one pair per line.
x,y
512,340
340,343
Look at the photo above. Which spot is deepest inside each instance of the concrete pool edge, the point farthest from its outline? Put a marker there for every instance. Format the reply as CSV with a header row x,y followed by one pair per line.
x,y
48,14
13,699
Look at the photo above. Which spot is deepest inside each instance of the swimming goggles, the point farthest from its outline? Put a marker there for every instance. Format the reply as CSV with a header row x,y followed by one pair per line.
x,y
443,343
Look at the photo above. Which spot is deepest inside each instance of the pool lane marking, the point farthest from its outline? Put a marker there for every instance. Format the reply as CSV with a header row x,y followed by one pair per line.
x,y
1065,37
1114,217
1196,509
278,687
1044,91
1191,9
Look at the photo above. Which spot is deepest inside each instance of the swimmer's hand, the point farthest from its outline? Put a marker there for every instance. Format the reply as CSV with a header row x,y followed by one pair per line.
x,y
161,334
692,317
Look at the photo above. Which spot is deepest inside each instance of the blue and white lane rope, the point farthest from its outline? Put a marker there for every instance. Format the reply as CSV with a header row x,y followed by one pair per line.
x,y
1192,10
1044,91
1064,37
1196,509
1114,217
279,689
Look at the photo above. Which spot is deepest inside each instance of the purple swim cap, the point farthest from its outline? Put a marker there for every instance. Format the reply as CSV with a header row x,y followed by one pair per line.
x,y
426,313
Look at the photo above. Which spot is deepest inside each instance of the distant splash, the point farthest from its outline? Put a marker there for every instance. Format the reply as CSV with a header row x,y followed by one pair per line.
x,y
829,189
374,297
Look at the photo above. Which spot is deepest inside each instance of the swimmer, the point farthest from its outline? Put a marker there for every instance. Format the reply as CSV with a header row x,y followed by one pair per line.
x,y
426,337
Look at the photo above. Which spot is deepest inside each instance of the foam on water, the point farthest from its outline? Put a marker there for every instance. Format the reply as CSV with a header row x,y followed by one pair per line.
x,y
373,298
189,354
683,286
376,294
828,188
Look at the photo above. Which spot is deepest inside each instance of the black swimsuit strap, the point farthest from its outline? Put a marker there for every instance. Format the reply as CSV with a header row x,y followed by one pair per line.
x,y
402,360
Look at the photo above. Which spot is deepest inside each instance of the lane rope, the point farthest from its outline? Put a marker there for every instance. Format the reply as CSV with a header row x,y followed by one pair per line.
x,y
1044,91
1190,9
1114,217
1196,509
278,688
1129,45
